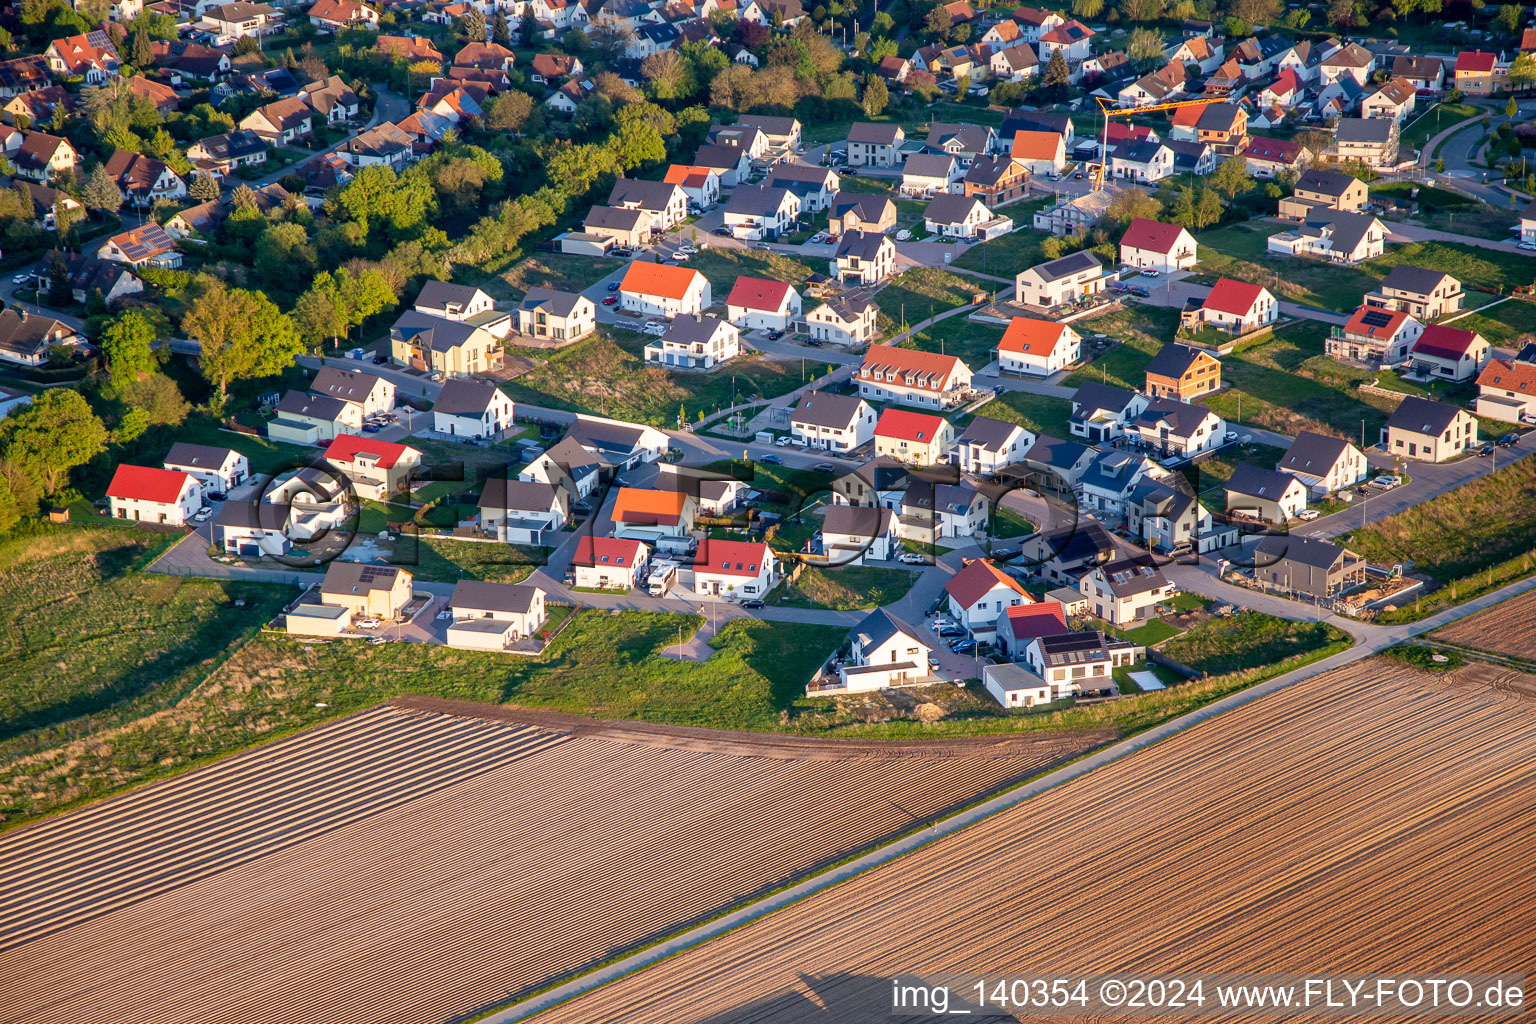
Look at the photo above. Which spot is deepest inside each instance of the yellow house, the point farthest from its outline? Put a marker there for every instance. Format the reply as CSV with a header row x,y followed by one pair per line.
x,y
379,591
436,344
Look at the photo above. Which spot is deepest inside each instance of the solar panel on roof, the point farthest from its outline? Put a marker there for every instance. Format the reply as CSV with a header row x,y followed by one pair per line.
x,y
1376,318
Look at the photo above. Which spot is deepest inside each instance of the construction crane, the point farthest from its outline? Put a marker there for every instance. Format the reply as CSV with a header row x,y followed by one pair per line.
x,y
1110,112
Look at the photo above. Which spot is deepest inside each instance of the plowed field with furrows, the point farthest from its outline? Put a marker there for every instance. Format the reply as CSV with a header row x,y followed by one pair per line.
x,y
412,865
1507,628
1369,819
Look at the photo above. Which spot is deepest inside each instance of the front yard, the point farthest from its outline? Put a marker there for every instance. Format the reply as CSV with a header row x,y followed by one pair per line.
x,y
921,293
723,266
570,272
1043,414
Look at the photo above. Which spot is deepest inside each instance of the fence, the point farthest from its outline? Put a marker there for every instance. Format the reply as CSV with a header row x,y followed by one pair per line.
x,y
1157,657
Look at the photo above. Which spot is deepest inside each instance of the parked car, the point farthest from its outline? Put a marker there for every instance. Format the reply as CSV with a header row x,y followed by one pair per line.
x,y
772,460
1306,515
1487,449
613,286
752,604
679,256
913,558
951,632
367,623
1139,292
823,467
1149,273
785,441
381,359
763,247
202,515
723,232
963,646
1528,246
1508,440
610,300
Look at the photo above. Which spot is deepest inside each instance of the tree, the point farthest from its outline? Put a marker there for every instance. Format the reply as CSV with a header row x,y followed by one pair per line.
x,y
876,96
636,143
471,25
1342,14
1509,18
1087,8
159,397
669,74
1231,177
10,511
501,31
1144,44
1511,108
1133,203
101,191
128,343
141,53
939,21
1207,209
241,334
511,112
1256,12
204,188
53,435
1522,72
1056,71
1141,10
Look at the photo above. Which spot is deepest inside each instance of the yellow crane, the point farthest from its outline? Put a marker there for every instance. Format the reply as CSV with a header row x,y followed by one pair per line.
x,y
1109,112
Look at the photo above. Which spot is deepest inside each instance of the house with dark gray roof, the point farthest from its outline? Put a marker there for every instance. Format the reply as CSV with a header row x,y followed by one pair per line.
x,y
875,145
1371,140
1421,293
307,418
850,534
1305,565
1178,429
1101,412
1267,495
856,211
556,315
883,652
815,186
926,174
1325,464
1127,590
846,319
666,204
494,616
965,142
838,423
864,258
1063,554
1072,278
1429,431
987,445
472,408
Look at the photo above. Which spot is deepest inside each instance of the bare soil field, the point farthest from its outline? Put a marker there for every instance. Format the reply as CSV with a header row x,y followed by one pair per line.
x,y
423,860
1370,819
1507,628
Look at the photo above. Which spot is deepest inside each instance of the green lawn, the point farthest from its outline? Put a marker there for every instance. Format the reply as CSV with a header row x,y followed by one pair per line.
x,y
1492,270
1141,330
91,643
921,293
961,336
570,272
868,185
1250,640
1044,414
1502,323
1014,252
608,376
1006,524
723,266
448,561
266,457
1238,251
848,587
1435,120
1153,632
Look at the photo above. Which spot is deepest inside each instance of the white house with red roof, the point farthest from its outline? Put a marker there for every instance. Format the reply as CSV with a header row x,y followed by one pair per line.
x,y
1449,352
1375,336
700,184
1035,22
757,304
1153,245
1073,39
90,55
916,437
376,469
335,15
608,563
1038,348
1267,157
1021,623
734,569
147,494
1238,306
1039,152
980,593
1507,391
911,377
662,289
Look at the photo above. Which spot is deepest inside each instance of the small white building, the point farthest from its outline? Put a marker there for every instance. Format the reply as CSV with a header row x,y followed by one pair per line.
x,y
884,652
216,469
838,423
1238,306
695,342
734,569
852,534
472,408
1429,431
848,319
1449,352
1038,348
1269,495
608,563
1324,464
494,616
1071,278
987,445
663,289
919,438
756,303
371,393
1153,245
146,494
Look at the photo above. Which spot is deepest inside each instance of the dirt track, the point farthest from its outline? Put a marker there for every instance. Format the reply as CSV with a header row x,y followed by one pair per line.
x,y
1508,628
417,863
1372,818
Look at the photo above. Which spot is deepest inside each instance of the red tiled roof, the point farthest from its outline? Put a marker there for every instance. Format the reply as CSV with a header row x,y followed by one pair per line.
x,y
1528,40
147,483
609,551
1152,235
1285,83
1188,117
1235,297
661,279
1118,132
1028,336
1444,342
1508,376
1476,61
346,447
1281,151
1395,319
906,425
932,371
758,293
1029,145
731,558
1031,620
976,580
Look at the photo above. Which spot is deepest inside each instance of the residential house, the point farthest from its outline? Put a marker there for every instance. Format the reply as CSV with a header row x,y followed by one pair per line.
x,y
913,437
146,246
660,289
1237,307
864,257
1153,245
222,154
1306,566
1041,152
151,495
1423,294
987,445
34,107
23,74
1072,38
1141,161
850,534
1182,373
1126,591
1425,74
957,216
568,465
1058,282
980,593
814,186
912,377
895,70
1528,225
1393,99
745,137
216,470
310,419
1507,391
1267,495
1178,429
731,163
377,469
608,563
1103,412
1065,665
556,315
1268,157
853,211
370,393
1352,60
1014,63
1285,91
523,511
162,97
931,511
760,212
332,100
964,142
996,179
366,590
1111,477
1333,235
629,228
756,303
90,56
700,184
239,20
486,56
471,408
1478,73
782,133
928,174
1324,464
1020,624
1038,347
695,342
334,15
144,180
1035,22
463,303
42,157
411,49
1375,336
435,344
884,652
1074,214
1063,554
1371,140
1429,431
494,616
90,277
280,122
618,445
1449,353
847,319
665,204
1304,60
1164,85
734,568
648,515
1166,517
1329,190
548,68
838,423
